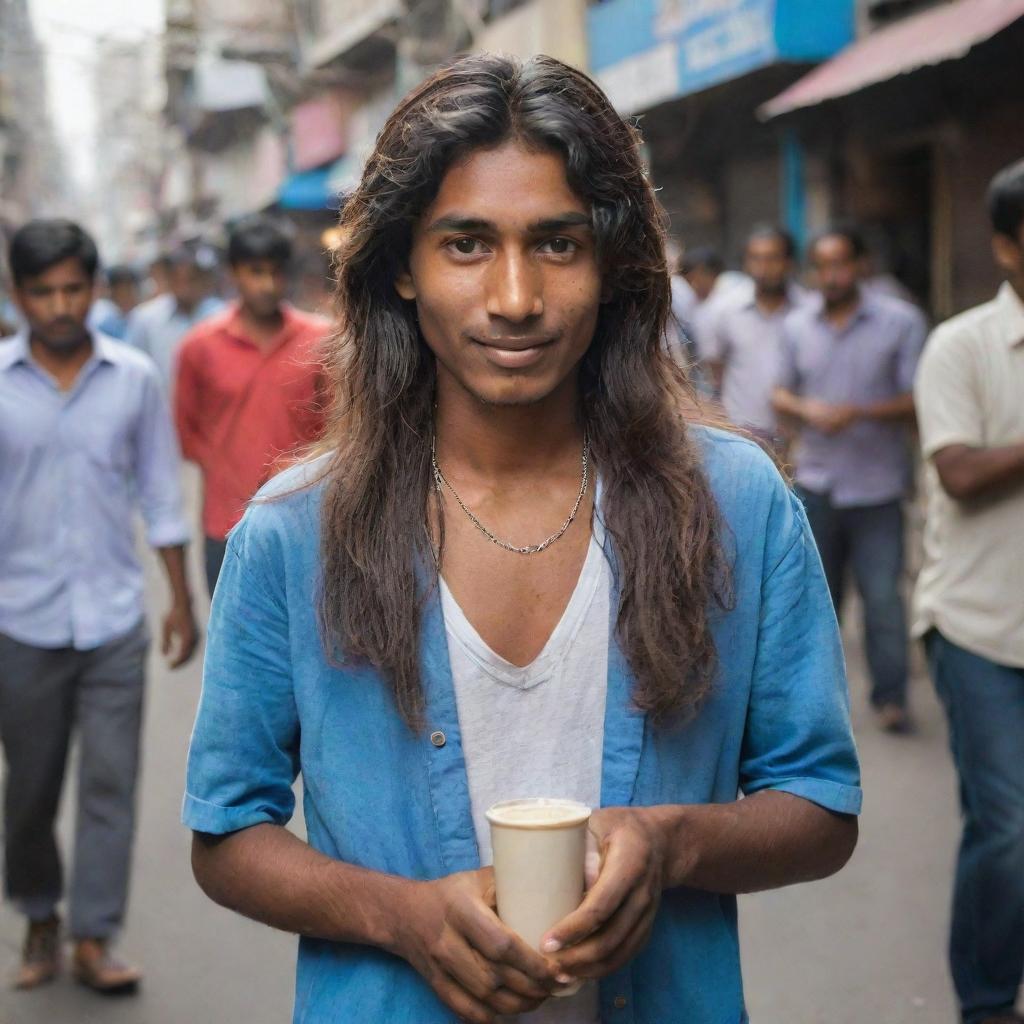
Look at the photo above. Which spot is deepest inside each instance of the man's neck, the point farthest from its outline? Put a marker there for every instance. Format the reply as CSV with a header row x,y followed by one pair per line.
x,y
506,442
770,301
261,329
62,364
840,313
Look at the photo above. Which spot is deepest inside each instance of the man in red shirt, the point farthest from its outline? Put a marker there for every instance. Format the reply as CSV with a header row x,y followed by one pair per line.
x,y
248,383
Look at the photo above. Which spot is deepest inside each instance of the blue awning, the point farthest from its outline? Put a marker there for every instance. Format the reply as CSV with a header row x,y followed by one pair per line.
x,y
644,52
308,190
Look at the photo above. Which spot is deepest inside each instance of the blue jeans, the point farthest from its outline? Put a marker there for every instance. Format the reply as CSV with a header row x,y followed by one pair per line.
x,y
869,540
985,706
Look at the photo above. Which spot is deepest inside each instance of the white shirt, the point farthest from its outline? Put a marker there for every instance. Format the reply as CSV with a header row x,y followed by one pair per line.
x,y
537,730
970,390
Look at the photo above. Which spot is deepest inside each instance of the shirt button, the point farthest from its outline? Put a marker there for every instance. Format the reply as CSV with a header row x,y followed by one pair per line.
x,y
438,738
619,1002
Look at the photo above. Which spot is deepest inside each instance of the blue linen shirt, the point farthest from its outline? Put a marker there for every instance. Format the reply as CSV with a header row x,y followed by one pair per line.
x,y
73,467
871,359
380,796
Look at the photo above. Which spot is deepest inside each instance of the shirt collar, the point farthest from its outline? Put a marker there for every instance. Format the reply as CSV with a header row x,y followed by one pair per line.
x,y
16,349
233,323
865,307
1010,307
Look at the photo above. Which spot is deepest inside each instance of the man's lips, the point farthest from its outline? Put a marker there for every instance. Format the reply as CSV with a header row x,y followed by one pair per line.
x,y
514,353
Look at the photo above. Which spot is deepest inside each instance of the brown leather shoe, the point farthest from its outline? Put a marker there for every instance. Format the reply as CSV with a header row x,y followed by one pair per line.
x,y
97,968
40,960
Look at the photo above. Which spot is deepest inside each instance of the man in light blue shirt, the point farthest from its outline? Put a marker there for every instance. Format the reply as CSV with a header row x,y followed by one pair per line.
x,y
509,407
158,325
85,439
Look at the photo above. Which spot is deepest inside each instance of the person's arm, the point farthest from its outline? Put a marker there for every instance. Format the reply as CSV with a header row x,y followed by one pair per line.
x,y
179,625
951,413
243,760
798,769
966,473
157,473
899,407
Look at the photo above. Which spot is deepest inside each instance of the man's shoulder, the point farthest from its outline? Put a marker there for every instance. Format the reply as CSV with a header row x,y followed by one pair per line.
x,y
309,323
895,309
208,331
159,307
127,358
961,333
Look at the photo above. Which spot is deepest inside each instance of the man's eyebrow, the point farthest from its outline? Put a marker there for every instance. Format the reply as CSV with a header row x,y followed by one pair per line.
x,y
463,222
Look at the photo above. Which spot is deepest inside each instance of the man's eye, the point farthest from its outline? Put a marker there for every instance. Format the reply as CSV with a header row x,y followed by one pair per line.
x,y
560,246
466,246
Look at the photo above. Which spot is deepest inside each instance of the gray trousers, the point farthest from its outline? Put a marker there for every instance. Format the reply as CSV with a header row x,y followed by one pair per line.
x,y
45,695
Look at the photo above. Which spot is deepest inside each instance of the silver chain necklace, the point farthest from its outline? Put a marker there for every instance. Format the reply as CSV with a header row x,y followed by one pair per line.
x,y
529,549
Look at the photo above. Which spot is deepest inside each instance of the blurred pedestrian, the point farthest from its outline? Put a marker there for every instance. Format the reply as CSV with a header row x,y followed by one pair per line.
x,y
504,327
703,270
744,338
109,315
247,393
969,607
845,380
85,440
158,325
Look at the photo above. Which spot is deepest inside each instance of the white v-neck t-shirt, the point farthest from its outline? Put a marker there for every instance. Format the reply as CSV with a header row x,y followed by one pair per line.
x,y
537,730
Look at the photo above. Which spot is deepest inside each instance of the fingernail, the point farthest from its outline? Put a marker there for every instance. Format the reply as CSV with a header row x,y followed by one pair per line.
x,y
551,946
564,979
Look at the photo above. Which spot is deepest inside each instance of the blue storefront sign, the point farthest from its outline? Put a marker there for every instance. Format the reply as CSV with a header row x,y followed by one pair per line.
x,y
645,52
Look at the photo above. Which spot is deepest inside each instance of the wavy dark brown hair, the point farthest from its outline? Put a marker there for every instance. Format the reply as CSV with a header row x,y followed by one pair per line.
x,y
377,560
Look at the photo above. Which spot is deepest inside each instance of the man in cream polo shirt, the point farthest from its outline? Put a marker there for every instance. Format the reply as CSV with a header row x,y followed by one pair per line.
x,y
969,607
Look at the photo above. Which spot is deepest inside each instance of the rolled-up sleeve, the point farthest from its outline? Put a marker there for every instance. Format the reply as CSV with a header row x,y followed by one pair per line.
x,y
158,470
798,736
244,756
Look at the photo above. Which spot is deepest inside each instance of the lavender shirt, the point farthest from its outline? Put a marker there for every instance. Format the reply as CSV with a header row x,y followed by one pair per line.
x,y
871,359
74,467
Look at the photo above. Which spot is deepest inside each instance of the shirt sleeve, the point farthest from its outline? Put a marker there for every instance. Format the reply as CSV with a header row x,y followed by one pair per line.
x,y
244,755
949,410
158,470
798,737
909,353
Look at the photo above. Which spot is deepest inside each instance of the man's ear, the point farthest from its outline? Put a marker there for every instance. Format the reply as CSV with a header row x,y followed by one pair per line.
x,y
404,285
1008,254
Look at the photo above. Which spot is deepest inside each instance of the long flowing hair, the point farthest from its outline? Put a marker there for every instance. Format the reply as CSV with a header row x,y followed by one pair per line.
x,y
378,562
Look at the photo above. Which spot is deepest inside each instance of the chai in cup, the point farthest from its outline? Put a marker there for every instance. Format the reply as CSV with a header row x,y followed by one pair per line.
x,y
539,848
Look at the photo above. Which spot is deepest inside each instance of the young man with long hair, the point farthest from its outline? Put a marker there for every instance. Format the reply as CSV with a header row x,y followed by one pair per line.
x,y
521,568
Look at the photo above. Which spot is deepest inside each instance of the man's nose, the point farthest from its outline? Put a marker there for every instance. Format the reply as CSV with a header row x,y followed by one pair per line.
x,y
515,291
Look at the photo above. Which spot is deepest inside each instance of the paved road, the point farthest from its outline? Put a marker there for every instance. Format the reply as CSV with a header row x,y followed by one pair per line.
x,y
863,948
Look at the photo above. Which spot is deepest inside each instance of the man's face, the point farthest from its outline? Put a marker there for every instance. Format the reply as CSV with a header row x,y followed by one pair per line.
x,y
768,264
701,280
187,284
262,285
56,303
505,275
836,269
1009,255
125,295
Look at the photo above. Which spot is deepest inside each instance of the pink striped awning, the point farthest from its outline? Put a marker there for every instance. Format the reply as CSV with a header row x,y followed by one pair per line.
x,y
944,33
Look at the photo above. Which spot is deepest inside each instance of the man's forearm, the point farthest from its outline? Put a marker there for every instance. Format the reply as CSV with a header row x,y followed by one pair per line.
x,y
788,404
272,876
899,408
967,472
173,559
765,841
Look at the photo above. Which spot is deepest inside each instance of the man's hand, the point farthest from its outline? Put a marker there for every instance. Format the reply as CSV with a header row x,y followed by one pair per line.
x,y
614,921
826,417
179,629
450,933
